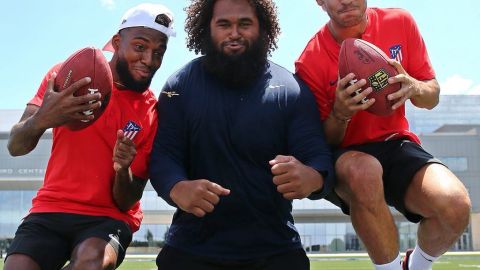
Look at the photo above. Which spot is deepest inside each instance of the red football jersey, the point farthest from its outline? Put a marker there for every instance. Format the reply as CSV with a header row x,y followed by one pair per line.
x,y
394,31
79,177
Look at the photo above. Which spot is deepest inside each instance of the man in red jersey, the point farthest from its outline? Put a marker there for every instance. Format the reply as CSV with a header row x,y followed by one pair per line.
x,y
88,206
379,161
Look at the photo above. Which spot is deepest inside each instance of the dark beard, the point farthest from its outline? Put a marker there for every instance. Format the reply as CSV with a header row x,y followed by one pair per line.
x,y
236,70
127,80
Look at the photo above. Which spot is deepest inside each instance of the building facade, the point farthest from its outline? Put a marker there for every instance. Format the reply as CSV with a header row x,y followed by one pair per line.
x,y
450,134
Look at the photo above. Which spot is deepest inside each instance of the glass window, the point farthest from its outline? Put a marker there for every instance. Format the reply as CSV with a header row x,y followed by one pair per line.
x,y
151,201
456,164
14,206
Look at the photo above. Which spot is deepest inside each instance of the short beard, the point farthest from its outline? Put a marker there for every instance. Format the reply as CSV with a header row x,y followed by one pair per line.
x,y
237,70
127,80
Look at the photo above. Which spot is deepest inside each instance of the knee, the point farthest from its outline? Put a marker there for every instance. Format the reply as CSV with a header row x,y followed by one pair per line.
x,y
93,254
455,211
91,264
360,179
93,260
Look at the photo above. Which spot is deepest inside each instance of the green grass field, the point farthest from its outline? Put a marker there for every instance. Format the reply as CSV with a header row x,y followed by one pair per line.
x,y
445,263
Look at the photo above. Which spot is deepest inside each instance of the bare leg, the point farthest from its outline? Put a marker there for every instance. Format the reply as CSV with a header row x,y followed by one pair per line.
x,y
360,185
438,196
93,253
20,262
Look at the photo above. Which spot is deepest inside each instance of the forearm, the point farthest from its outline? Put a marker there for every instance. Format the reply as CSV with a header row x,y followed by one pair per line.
x,y
25,135
335,128
127,189
165,172
427,94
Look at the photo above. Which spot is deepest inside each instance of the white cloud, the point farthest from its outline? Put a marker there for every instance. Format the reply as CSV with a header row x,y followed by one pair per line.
x,y
475,90
457,85
108,3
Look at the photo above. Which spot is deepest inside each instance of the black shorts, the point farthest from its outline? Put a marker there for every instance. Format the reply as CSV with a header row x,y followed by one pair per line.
x,y
174,259
49,238
400,160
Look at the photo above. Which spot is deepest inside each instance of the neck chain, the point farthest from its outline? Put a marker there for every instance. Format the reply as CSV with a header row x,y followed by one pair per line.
x,y
119,84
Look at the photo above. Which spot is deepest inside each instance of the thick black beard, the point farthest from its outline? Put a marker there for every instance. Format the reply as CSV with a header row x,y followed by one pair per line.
x,y
127,80
236,70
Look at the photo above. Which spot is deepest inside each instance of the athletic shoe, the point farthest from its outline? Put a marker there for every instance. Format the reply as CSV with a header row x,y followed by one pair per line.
x,y
406,259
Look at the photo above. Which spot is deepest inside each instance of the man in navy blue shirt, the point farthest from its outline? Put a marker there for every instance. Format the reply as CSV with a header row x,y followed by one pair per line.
x,y
239,138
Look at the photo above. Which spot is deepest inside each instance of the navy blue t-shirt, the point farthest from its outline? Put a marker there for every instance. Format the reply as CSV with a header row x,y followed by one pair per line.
x,y
208,130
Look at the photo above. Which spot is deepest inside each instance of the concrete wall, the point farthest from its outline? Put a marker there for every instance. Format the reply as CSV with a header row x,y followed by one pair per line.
x,y
475,225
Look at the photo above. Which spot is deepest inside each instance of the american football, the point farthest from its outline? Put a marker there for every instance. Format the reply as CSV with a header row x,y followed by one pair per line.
x,y
86,62
369,62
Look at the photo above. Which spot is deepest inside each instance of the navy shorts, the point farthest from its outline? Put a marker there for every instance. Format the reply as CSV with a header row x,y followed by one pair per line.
x,y
400,160
49,238
171,258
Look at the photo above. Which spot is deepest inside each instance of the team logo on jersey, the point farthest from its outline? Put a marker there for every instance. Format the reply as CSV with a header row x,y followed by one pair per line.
x,y
131,129
396,52
170,93
378,80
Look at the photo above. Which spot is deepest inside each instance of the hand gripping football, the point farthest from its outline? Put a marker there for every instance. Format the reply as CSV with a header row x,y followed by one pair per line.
x,y
86,62
369,62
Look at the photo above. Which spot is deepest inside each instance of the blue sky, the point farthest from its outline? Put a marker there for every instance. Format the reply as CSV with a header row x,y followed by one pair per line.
x,y
37,34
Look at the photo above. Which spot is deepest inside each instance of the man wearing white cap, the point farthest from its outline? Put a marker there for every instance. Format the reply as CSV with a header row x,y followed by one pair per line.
x,y
88,207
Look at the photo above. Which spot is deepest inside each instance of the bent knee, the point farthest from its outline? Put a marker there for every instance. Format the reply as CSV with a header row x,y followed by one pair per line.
x,y
93,254
20,261
458,210
92,264
454,210
359,174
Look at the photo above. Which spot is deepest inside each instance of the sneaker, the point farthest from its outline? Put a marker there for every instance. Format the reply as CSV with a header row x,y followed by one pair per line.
x,y
406,258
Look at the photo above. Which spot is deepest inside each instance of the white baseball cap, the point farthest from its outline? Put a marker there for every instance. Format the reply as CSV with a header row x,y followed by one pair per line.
x,y
154,16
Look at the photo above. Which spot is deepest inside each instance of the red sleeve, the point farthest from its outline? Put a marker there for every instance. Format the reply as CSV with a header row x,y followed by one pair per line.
x,y
38,98
315,69
419,65
321,96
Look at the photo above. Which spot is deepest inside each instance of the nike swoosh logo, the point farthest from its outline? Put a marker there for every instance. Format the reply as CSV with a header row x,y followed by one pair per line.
x,y
114,238
426,258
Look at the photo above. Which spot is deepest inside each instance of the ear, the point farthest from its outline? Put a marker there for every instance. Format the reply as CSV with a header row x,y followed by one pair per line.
x,y
116,41
321,3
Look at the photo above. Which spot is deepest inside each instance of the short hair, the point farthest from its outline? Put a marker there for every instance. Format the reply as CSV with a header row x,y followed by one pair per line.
x,y
199,15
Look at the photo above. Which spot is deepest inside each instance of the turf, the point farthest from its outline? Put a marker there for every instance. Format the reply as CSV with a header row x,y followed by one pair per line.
x,y
445,263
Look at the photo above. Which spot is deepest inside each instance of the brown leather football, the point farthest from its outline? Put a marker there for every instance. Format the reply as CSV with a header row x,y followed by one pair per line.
x,y
369,62
86,62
